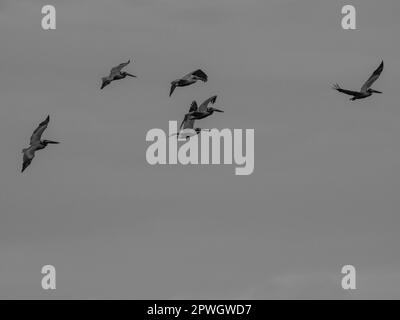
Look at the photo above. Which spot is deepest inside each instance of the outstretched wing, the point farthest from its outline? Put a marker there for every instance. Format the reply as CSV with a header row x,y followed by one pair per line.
x,y
104,82
204,105
349,92
200,75
37,134
197,74
187,123
375,75
117,70
29,154
193,107
173,86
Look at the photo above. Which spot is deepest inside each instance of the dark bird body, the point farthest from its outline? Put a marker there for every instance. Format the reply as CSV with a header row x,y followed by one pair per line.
x,y
366,90
116,74
188,79
197,113
186,129
36,144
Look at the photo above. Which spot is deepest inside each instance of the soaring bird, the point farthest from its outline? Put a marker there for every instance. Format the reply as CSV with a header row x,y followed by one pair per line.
x,y
204,110
188,80
36,144
366,90
116,74
186,129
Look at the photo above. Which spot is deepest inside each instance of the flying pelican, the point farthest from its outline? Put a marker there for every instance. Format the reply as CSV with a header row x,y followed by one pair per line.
x,y
365,91
188,80
186,129
36,144
204,110
116,74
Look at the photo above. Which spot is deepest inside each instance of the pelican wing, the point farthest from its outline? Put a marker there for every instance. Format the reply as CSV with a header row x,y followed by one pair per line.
x,y
375,75
117,70
187,123
193,107
204,105
104,82
37,134
29,154
173,86
197,74
200,74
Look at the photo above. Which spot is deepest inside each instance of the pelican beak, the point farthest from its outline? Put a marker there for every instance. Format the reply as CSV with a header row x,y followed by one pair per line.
x,y
131,75
376,91
218,110
53,142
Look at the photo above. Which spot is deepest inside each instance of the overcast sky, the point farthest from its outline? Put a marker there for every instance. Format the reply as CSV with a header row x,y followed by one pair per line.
x,y
325,191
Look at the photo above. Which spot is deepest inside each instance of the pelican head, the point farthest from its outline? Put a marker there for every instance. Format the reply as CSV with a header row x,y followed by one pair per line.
x,y
128,74
373,91
211,110
46,142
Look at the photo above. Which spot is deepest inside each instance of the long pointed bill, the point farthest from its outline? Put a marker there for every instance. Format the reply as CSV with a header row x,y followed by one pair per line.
x,y
218,110
376,91
131,75
52,142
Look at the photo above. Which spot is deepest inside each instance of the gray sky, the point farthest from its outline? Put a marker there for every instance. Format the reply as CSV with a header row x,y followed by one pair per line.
x,y
324,192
